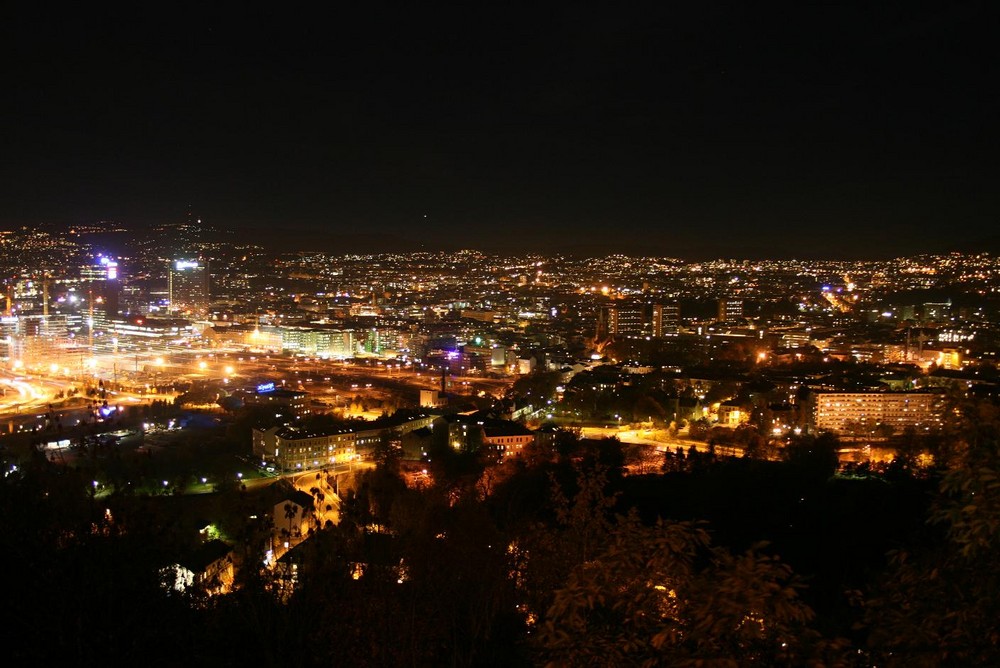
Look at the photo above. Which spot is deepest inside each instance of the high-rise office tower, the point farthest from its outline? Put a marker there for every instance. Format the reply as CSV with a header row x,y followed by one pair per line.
x,y
665,318
101,280
637,318
620,319
730,310
188,290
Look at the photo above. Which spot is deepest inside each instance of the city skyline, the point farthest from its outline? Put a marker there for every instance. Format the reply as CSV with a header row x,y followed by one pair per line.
x,y
694,132
194,422
463,335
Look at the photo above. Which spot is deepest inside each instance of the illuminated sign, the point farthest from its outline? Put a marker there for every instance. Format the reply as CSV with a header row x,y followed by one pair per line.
x,y
265,387
110,266
181,265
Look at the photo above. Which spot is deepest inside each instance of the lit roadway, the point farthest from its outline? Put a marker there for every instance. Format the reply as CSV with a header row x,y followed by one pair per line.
x,y
342,379
25,397
655,438
326,480
328,484
143,370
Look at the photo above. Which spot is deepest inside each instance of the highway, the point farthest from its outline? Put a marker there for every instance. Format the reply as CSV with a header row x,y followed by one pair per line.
x,y
657,438
22,395
334,382
135,377
26,400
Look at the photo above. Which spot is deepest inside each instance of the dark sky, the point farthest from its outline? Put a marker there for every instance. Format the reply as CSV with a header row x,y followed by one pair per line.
x,y
698,130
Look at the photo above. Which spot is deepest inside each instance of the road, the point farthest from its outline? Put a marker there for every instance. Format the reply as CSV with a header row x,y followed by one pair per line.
x,y
336,381
26,401
657,438
333,382
25,395
327,482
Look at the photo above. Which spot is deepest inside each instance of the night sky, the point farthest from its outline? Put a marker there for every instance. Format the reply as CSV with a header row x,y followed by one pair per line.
x,y
678,129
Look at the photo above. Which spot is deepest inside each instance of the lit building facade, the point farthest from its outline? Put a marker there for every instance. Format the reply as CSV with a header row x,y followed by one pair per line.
x,y
322,341
151,330
290,401
730,310
507,438
637,319
188,287
845,412
101,282
665,319
292,449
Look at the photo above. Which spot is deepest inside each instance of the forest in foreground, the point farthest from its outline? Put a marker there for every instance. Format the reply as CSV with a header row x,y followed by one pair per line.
x,y
554,557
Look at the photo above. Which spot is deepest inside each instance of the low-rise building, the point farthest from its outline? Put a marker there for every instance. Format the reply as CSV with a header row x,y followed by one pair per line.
x,y
209,567
474,430
288,401
293,449
507,438
732,414
292,519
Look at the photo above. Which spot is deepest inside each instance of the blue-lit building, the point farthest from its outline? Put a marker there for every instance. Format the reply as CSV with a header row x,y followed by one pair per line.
x,y
287,401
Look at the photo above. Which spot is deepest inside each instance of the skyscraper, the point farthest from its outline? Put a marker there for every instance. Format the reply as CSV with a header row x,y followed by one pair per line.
x,y
730,310
665,318
188,290
101,279
637,318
